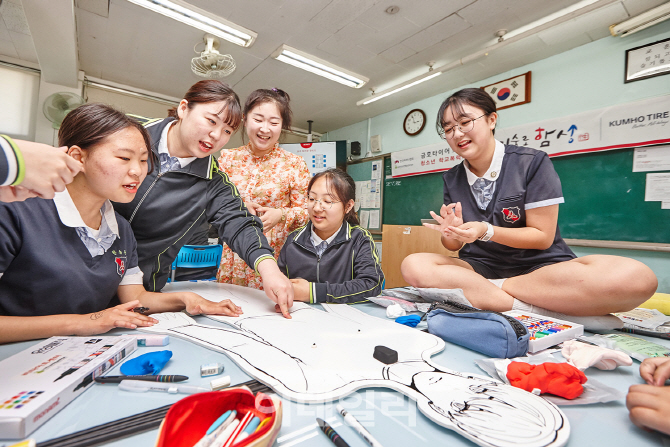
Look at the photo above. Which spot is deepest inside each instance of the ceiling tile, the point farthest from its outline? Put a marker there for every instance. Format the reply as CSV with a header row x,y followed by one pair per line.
x,y
99,7
429,12
436,33
385,38
593,21
346,38
398,52
635,7
339,13
4,33
14,17
7,48
24,46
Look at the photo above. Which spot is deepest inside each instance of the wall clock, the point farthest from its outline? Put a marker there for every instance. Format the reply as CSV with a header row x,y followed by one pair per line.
x,y
414,122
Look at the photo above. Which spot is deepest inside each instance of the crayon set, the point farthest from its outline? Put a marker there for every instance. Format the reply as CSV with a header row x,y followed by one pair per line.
x,y
545,331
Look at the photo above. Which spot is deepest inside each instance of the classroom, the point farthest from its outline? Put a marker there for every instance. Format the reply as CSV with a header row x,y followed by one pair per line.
x,y
488,263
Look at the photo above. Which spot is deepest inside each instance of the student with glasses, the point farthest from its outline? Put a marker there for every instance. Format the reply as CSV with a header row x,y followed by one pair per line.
x,y
500,212
331,259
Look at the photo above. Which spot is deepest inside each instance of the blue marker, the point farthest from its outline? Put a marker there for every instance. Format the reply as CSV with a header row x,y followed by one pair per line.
x,y
248,430
220,421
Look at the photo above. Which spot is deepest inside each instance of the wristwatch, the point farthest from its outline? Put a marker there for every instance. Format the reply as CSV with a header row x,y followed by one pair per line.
x,y
283,215
489,233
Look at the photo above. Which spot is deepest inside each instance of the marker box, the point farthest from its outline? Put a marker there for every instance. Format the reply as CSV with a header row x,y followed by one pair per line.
x,y
37,383
211,369
546,331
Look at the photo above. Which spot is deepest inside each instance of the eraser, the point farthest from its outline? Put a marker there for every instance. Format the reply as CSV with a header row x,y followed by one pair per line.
x,y
220,383
153,340
385,355
211,369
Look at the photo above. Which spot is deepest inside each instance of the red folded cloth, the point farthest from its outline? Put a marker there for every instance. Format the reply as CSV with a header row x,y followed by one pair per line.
x,y
561,379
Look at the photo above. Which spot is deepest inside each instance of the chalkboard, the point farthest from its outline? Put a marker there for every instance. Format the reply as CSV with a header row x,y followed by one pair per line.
x,y
604,199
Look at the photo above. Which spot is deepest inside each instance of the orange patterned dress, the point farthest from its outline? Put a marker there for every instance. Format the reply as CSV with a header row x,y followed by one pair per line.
x,y
278,179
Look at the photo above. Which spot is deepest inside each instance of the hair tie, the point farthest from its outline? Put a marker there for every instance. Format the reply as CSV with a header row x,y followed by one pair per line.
x,y
275,90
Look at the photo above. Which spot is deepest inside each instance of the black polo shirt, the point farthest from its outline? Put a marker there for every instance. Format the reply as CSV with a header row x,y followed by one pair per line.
x,y
526,180
46,268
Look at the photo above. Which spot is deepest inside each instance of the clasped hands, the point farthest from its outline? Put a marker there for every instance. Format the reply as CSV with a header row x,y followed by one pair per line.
x,y
451,224
269,216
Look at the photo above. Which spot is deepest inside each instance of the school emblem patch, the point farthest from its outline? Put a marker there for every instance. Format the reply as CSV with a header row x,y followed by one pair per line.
x,y
511,214
120,265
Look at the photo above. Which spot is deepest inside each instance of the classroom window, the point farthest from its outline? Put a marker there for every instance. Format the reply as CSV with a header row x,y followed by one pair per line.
x,y
18,90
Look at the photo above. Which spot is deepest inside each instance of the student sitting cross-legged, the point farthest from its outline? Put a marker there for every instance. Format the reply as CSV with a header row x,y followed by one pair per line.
x,y
331,259
63,260
501,211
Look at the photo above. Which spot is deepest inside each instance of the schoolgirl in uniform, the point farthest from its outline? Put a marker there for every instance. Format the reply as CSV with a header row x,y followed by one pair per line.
x,y
188,189
332,259
63,260
501,211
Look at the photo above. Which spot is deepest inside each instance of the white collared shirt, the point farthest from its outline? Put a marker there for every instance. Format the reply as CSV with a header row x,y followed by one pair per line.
x,y
96,241
163,147
316,240
493,172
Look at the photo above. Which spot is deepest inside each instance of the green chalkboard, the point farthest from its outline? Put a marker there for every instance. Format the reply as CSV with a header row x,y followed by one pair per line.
x,y
407,200
604,199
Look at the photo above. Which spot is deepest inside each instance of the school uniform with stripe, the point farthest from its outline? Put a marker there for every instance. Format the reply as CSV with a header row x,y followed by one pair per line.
x,y
348,271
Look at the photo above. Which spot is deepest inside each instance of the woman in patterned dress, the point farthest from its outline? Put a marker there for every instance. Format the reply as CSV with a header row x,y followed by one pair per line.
x,y
272,182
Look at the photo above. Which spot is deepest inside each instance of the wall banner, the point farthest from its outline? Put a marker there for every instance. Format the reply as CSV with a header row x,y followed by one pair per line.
x,y
640,123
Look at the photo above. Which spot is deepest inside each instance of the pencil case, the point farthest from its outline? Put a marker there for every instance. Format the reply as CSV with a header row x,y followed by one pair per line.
x,y
485,331
187,420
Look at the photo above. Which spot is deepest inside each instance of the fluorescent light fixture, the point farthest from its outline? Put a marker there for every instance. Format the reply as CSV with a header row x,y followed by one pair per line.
x,y
572,9
318,66
200,19
401,87
571,12
642,21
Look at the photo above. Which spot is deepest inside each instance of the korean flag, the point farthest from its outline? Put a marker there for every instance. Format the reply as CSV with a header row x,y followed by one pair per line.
x,y
509,92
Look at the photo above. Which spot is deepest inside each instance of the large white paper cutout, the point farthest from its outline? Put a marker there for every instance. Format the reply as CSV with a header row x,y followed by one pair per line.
x,y
321,356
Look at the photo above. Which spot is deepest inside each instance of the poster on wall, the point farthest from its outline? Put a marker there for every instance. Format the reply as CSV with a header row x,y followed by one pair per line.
x,y
318,156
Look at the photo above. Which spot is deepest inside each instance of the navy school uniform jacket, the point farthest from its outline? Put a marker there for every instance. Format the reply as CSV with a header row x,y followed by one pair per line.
x,y
527,180
348,271
170,207
47,269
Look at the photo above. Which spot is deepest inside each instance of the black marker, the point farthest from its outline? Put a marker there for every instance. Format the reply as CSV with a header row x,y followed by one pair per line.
x,y
150,378
332,434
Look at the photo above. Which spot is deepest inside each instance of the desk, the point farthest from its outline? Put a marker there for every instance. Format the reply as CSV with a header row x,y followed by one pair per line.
x,y
391,417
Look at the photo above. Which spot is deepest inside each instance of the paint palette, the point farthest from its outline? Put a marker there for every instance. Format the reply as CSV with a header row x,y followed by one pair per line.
x,y
545,331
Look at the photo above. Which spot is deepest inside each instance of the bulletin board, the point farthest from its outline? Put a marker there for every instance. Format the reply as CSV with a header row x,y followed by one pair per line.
x,y
362,171
604,199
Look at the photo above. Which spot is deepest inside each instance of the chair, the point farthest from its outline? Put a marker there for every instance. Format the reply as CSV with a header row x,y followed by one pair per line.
x,y
197,256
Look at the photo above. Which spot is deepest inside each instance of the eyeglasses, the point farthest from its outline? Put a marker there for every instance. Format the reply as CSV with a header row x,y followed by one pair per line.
x,y
464,126
325,203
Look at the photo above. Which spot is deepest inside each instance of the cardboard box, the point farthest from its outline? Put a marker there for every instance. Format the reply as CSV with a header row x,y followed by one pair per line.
x,y
37,383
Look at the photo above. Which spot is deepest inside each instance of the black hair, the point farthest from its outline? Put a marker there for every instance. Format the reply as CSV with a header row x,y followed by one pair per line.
x,y
344,188
89,124
212,90
471,96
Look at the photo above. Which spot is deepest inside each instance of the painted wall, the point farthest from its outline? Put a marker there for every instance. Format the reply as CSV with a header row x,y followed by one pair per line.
x,y
584,78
